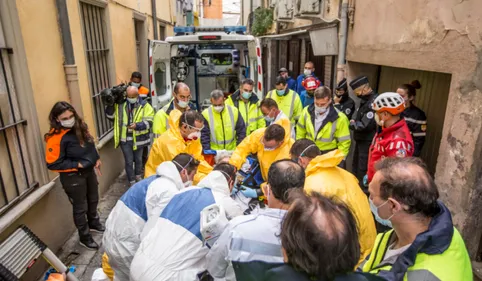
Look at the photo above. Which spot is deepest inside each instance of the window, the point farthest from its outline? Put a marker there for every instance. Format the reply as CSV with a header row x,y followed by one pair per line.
x,y
218,58
97,53
16,179
162,32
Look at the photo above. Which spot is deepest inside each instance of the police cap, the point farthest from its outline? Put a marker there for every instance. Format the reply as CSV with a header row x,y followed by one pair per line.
x,y
342,85
359,81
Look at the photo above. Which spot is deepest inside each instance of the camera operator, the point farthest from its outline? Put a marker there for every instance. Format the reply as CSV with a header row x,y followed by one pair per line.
x,y
136,78
132,125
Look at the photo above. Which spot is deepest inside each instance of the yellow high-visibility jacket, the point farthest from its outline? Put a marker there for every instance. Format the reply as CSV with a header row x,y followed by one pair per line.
x,y
332,134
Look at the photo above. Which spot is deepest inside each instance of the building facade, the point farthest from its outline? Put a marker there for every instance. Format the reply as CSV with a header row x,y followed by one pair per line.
x,y
298,34
396,42
438,43
63,50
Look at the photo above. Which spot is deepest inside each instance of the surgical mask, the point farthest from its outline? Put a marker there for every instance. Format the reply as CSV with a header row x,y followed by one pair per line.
x,y
68,123
374,209
246,95
194,135
320,109
219,108
132,100
307,72
188,184
280,92
268,119
379,121
182,104
137,85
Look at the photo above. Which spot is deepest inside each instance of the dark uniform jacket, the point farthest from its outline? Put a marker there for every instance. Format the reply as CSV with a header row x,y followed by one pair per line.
x,y
417,124
64,152
365,125
346,105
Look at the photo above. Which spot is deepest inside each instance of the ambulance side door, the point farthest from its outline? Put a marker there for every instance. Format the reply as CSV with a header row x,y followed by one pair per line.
x,y
160,73
255,63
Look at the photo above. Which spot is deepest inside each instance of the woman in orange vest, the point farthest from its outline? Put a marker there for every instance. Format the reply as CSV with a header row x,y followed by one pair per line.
x,y
72,153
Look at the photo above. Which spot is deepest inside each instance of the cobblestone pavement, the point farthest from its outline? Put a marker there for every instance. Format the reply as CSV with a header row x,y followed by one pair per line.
x,y
86,261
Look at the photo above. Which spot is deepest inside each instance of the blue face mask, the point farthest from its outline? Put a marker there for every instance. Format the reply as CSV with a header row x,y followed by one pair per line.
x,y
246,95
280,92
385,222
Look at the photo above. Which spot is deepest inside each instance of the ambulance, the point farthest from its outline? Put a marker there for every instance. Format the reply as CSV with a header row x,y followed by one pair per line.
x,y
205,58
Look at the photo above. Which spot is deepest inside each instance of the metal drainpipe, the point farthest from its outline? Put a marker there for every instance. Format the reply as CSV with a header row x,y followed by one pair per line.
x,y
341,68
154,19
70,68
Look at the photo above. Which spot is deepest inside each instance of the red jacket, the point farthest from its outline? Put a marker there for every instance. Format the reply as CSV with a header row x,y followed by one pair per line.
x,y
394,141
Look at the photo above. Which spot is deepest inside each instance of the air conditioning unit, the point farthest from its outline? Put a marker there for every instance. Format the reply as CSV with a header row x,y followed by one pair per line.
x,y
285,9
308,8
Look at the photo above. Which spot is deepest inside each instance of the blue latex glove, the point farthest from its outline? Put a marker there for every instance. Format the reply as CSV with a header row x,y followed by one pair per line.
x,y
365,181
249,192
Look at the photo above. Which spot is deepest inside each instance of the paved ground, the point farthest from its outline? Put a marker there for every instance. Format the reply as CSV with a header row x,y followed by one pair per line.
x,y
86,260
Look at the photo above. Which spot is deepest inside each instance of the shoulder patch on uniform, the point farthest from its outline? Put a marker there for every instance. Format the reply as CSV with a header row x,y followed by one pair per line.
x,y
347,111
401,153
370,115
424,128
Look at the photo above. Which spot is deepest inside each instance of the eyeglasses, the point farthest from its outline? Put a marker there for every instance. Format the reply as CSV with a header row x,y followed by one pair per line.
x,y
192,127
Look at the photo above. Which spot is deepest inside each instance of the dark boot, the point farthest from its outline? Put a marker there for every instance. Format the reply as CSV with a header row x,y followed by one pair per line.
x,y
96,227
89,243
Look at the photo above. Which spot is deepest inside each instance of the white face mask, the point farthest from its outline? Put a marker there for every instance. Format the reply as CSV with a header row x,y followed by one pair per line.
x,y
320,109
132,100
307,72
137,85
194,135
182,104
68,123
219,108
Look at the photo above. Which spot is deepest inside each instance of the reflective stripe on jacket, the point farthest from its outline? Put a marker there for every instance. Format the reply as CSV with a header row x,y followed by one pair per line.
x,y
222,127
252,115
332,134
289,103
143,116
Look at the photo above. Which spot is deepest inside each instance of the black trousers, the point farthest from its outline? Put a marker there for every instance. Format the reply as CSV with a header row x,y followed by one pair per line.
x,y
360,161
83,192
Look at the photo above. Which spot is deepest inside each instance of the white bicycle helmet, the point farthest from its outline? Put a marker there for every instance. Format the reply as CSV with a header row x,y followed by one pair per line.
x,y
391,102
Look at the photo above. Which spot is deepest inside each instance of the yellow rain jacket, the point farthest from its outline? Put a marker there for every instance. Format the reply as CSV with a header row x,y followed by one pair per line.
x,y
252,145
170,144
323,176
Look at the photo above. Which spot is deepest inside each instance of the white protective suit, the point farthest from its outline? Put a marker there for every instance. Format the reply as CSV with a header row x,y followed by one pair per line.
x,y
173,250
144,200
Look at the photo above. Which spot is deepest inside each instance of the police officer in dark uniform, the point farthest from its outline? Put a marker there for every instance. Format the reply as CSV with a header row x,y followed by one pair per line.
x,y
342,100
414,116
363,125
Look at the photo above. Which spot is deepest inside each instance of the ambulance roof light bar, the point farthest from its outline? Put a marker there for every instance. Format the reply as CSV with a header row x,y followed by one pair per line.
x,y
183,30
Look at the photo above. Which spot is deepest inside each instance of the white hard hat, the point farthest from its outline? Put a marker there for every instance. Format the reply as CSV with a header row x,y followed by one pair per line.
x,y
391,102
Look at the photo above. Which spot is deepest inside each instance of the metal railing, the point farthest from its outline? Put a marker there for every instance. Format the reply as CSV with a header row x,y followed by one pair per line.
x,y
97,53
16,178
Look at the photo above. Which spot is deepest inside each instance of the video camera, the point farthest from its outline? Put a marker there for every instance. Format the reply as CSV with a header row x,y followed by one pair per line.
x,y
114,95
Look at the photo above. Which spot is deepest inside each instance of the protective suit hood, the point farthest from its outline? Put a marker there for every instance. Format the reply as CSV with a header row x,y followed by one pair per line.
x,y
174,117
168,170
217,182
328,160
